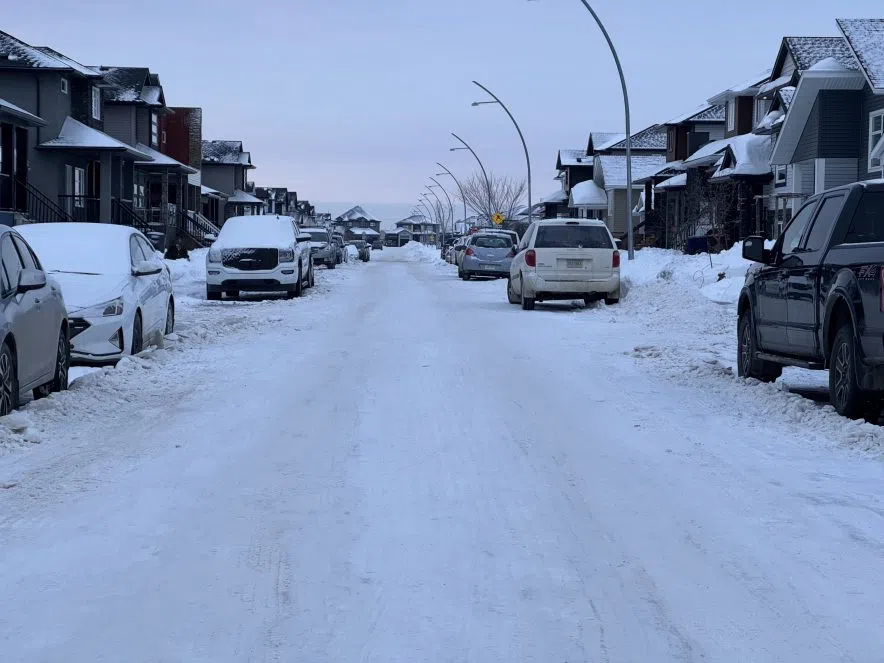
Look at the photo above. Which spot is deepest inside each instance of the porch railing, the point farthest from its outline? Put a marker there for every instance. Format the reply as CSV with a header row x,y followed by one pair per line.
x,y
124,214
38,207
81,208
194,226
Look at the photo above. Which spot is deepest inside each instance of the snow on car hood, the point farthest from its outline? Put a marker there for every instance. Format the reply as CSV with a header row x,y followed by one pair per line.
x,y
84,290
263,231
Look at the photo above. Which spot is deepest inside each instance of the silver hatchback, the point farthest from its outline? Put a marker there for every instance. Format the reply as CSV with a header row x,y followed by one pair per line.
x,y
35,350
487,254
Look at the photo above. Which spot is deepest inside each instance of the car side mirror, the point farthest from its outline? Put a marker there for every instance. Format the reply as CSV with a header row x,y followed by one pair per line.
x,y
753,249
31,279
147,268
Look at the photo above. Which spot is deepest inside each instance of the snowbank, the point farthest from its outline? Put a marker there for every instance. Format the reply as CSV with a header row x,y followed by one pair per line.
x,y
411,252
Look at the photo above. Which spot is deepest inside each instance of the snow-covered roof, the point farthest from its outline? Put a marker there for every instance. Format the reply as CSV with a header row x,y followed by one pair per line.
x,y
703,113
667,169
771,120
613,168
772,86
574,158
16,53
355,213
786,95
744,88
159,160
708,154
807,51
240,197
588,194
364,231
9,109
604,141
132,85
746,155
209,191
226,152
555,197
397,231
75,135
653,138
674,182
865,38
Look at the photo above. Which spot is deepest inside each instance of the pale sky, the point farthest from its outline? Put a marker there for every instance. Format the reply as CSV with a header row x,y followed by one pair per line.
x,y
354,100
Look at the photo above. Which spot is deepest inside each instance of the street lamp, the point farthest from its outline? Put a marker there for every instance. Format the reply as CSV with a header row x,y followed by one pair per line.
x,y
521,137
425,201
481,165
441,208
460,188
450,206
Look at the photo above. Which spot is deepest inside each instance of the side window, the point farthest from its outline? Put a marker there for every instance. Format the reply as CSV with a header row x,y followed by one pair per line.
x,y
867,224
793,233
24,252
136,255
146,248
825,220
11,263
526,239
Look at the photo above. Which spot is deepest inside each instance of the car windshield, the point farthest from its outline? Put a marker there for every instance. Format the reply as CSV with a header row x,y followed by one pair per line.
x,y
319,236
573,237
492,242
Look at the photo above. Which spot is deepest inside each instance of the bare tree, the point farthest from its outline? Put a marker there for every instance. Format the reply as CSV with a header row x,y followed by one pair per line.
x,y
504,197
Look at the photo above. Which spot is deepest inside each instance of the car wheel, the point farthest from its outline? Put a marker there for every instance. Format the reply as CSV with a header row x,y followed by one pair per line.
x,y
747,365
137,335
331,264
8,381
311,278
62,368
610,301
299,286
510,294
465,276
212,296
527,302
170,317
844,391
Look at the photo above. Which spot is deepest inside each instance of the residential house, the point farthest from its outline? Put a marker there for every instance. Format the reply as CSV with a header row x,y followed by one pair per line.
x,y
16,201
574,166
399,237
65,167
225,168
181,132
356,223
276,200
833,130
421,228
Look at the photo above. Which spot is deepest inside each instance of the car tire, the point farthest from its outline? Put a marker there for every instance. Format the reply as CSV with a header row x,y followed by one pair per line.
x,y
611,301
299,286
331,264
747,365
170,317
527,302
59,380
844,391
311,278
213,296
8,381
137,335
510,294
465,276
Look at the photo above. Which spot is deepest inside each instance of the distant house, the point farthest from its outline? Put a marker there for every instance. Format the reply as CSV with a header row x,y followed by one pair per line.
x,y
225,169
276,200
398,237
356,223
420,228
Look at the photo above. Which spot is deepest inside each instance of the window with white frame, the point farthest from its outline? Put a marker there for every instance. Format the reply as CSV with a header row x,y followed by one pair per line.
x,y
96,103
731,114
780,175
762,108
154,130
876,134
79,187
65,88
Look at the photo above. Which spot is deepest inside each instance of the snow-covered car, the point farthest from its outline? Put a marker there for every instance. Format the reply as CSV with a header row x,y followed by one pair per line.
x,y
562,260
262,253
364,250
35,352
117,289
487,254
340,250
322,249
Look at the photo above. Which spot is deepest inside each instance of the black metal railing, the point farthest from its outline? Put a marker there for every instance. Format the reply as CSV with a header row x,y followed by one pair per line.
x,y
123,213
38,207
194,227
84,209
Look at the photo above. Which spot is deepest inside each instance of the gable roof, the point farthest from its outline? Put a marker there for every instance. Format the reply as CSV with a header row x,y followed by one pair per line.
x,y
354,213
226,152
599,140
613,168
133,85
865,40
808,51
653,138
75,135
744,88
569,158
14,53
705,113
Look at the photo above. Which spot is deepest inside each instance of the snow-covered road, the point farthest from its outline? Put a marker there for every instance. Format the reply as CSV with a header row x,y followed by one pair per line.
x,y
404,467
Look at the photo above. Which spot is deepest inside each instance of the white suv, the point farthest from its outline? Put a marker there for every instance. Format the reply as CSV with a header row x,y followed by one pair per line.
x,y
260,253
565,259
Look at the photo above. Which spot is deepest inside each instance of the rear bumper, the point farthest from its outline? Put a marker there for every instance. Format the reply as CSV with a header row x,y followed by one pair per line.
x,y
540,288
472,265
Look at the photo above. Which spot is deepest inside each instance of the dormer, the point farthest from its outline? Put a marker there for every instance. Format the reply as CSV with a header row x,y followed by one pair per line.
x,y
739,104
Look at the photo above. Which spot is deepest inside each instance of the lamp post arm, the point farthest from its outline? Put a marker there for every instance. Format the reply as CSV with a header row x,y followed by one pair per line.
x,y
484,172
459,187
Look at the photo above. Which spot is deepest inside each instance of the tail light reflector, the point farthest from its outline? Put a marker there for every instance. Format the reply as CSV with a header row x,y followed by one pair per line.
x,y
531,258
469,251
615,260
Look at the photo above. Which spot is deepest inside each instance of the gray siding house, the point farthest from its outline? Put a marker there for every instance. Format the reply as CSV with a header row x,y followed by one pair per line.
x,y
225,173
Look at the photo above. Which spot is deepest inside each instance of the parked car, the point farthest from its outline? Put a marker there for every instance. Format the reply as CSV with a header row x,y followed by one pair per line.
x,y
512,234
446,246
377,245
117,288
35,354
459,247
487,254
340,253
562,260
363,249
817,299
322,249
264,253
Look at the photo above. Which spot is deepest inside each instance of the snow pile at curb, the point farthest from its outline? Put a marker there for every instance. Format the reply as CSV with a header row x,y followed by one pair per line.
x,y
189,274
413,252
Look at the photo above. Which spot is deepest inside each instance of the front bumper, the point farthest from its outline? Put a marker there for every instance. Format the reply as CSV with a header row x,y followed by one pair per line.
x,y
99,341
539,288
220,278
475,266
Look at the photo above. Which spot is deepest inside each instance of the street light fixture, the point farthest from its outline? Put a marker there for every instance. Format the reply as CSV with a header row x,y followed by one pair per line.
x,y
521,137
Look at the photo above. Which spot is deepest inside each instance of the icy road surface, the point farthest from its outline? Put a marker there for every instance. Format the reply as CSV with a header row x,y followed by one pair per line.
x,y
404,467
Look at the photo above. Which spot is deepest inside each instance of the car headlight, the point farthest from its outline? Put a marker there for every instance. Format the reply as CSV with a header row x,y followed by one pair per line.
x,y
107,309
286,255
214,255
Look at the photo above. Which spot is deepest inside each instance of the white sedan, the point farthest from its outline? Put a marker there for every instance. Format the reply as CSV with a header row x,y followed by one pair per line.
x,y
117,289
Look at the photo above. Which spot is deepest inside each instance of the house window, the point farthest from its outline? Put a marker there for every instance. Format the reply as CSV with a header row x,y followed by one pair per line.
x,y
79,187
154,129
876,133
96,103
64,86
140,193
762,108
731,114
780,175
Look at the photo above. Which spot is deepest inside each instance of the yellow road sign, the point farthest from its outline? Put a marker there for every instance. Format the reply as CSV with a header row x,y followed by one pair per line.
x,y
498,218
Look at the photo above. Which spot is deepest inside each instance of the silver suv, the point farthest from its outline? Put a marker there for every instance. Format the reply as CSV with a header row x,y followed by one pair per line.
x,y
322,248
35,353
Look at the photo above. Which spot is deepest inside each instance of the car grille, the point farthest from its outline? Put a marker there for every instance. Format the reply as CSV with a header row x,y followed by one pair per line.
x,y
77,326
250,260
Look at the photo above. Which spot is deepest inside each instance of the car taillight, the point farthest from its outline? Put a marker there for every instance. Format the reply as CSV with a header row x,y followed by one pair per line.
x,y
531,258
469,252
615,260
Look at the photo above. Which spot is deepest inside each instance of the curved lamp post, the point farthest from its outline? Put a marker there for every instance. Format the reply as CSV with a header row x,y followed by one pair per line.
x,y
441,207
450,206
521,137
459,187
481,165
425,201
628,134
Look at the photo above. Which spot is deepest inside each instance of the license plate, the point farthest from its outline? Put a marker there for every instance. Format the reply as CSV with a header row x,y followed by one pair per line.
x,y
574,264
489,267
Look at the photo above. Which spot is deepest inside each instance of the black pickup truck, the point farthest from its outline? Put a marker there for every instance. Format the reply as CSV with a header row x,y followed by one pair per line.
x,y
817,299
